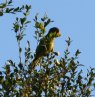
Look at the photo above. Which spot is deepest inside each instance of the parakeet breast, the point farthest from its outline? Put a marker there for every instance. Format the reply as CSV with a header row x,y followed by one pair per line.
x,y
50,46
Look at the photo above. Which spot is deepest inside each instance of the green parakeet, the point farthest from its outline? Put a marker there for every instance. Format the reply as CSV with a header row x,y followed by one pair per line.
x,y
46,45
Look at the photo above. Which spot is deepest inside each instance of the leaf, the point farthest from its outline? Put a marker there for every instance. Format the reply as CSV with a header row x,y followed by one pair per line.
x,y
26,6
36,16
20,50
22,7
44,18
46,23
22,20
7,10
16,69
10,62
10,2
37,24
12,75
28,44
16,9
1,13
11,9
3,5
27,22
0,73
16,27
29,7
20,66
1,78
68,41
77,52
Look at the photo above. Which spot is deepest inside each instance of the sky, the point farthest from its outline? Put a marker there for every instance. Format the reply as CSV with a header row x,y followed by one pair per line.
x,y
74,18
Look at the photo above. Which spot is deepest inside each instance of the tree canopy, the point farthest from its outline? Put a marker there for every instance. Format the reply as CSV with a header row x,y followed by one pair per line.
x,y
52,76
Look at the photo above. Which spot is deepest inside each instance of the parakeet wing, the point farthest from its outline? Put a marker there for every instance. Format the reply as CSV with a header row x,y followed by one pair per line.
x,y
41,48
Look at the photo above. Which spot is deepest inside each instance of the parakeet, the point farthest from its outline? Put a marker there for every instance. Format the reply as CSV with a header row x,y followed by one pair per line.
x,y
46,45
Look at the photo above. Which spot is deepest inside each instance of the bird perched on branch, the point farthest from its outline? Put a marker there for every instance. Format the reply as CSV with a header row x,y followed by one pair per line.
x,y
46,45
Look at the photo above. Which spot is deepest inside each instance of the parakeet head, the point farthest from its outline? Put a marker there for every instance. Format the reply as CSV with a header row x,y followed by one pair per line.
x,y
54,32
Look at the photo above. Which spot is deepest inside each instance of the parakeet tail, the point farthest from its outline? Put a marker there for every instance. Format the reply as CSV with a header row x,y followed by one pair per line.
x,y
35,62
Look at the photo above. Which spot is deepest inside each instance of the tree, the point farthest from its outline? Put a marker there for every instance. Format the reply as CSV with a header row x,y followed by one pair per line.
x,y
53,77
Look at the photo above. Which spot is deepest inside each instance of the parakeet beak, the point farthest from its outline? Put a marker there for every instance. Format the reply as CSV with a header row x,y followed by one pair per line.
x,y
58,34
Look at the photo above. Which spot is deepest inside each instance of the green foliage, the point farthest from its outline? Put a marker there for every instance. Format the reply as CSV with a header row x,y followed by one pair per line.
x,y
41,26
6,8
51,77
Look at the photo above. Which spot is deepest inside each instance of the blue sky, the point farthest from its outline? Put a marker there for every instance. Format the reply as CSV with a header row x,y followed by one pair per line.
x,y
75,18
